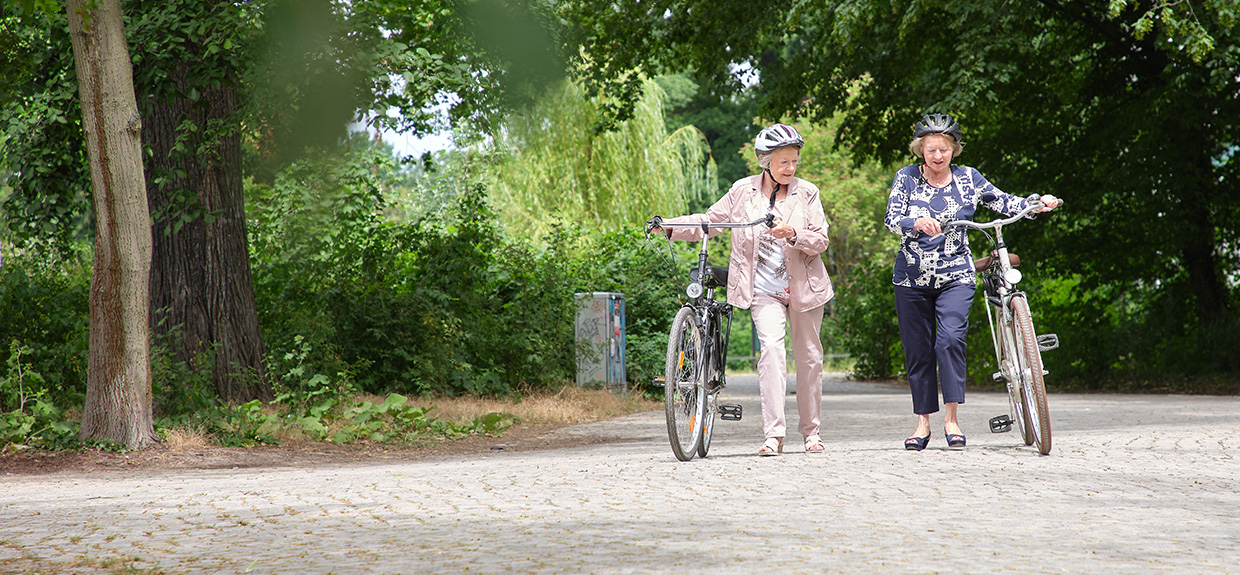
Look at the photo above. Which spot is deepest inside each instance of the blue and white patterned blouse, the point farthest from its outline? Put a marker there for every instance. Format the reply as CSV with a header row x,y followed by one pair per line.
x,y
937,261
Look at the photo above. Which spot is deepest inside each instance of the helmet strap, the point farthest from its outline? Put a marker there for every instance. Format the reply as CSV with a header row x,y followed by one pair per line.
x,y
774,189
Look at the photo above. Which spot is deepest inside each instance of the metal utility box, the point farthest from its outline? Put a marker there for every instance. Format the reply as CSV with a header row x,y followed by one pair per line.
x,y
600,340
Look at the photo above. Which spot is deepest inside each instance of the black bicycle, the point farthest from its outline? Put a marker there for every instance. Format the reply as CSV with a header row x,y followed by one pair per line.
x,y
697,347
1018,349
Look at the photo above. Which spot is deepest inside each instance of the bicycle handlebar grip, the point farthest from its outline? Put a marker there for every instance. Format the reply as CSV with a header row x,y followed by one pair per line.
x,y
652,223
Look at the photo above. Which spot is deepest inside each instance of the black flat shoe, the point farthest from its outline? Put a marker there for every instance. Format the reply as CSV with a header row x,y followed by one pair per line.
x,y
955,440
916,443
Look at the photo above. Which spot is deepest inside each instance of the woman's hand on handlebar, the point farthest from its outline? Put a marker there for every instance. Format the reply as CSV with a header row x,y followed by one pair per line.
x,y
928,226
654,224
1049,203
783,231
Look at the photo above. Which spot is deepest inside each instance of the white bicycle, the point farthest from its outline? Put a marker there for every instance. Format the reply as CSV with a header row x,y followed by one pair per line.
x,y
1018,348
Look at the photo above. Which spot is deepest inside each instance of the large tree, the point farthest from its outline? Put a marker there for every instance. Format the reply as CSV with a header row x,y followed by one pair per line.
x,y
118,392
189,66
1128,109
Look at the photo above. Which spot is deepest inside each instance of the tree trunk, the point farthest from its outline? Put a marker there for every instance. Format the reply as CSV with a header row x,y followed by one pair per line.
x,y
201,286
118,380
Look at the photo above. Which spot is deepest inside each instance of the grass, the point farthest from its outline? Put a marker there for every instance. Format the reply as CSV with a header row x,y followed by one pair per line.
x,y
569,405
566,406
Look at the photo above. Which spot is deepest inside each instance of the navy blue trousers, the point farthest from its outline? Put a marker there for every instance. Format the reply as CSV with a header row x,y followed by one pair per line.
x,y
933,326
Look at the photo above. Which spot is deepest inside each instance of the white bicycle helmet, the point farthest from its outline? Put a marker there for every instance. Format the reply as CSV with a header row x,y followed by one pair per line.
x,y
777,136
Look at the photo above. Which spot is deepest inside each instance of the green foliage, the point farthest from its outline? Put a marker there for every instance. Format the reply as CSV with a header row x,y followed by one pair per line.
x,y
867,317
322,408
309,393
552,165
44,294
440,305
179,387
725,120
42,153
43,425
1126,109
491,56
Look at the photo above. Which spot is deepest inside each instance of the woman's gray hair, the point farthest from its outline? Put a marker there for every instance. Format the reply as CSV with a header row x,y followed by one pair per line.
x,y
917,145
764,160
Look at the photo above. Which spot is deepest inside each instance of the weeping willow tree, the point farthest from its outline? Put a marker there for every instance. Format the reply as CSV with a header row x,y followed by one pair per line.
x,y
554,166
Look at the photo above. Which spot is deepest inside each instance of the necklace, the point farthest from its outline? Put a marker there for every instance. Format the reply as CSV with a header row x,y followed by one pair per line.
x,y
939,184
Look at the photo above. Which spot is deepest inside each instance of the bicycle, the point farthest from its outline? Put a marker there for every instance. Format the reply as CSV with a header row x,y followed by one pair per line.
x,y
1018,349
696,365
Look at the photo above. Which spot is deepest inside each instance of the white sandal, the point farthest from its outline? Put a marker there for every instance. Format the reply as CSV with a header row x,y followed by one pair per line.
x,y
813,444
772,446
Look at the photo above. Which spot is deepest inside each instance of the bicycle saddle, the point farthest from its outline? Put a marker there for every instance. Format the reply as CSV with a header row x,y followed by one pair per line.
x,y
982,263
718,276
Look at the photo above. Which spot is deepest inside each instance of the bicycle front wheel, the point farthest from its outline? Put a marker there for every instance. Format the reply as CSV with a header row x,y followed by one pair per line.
x,y
1029,360
683,392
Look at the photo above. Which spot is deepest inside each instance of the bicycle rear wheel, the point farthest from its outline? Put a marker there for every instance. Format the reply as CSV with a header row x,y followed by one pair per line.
x,y
683,392
1029,360
708,423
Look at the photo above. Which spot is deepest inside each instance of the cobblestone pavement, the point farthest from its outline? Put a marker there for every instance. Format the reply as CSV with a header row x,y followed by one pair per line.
x,y
1135,484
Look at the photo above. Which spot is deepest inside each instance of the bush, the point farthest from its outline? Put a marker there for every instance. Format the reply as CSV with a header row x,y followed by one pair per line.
x,y
45,298
444,305
867,321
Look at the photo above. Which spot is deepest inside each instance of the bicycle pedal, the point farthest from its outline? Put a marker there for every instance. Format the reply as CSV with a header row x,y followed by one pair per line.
x,y
1000,424
730,411
659,381
1047,342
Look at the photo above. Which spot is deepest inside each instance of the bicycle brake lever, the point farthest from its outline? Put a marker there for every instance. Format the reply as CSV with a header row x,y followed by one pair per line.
x,y
653,223
770,220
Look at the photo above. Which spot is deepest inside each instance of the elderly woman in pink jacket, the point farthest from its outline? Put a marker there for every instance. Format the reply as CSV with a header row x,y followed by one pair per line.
x,y
779,276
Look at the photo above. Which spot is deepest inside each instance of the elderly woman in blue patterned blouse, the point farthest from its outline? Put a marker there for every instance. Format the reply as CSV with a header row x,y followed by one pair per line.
x,y
934,277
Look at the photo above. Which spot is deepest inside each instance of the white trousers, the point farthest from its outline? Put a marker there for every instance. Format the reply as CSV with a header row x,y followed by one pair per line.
x,y
769,318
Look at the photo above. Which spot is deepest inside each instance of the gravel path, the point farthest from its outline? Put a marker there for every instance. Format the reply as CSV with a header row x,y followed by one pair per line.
x,y
1135,484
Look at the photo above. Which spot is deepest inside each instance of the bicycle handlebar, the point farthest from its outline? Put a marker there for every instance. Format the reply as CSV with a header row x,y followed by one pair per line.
x,y
1034,204
657,222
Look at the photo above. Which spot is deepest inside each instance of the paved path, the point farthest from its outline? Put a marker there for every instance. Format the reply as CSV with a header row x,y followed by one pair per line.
x,y
1135,484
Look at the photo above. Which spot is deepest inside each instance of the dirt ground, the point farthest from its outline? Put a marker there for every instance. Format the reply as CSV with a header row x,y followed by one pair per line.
x,y
517,438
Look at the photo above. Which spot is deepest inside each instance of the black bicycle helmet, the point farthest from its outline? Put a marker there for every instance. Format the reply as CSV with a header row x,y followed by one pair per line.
x,y
777,136
937,124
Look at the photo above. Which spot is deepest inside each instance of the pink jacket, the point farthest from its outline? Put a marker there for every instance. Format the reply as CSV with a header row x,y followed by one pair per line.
x,y
807,276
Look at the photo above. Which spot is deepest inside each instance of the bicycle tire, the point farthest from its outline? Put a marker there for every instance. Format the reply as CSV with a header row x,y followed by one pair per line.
x,y
684,396
712,382
708,423
1029,359
1009,366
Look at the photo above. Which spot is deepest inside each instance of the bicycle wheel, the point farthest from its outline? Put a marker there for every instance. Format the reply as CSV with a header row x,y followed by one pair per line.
x,y
1009,366
683,394
708,423
1029,358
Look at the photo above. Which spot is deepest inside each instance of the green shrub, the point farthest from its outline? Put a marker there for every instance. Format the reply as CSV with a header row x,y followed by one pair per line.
x,y
867,320
35,420
45,297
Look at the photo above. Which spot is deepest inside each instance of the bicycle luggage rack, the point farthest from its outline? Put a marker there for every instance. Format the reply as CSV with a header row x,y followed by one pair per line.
x,y
1047,342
